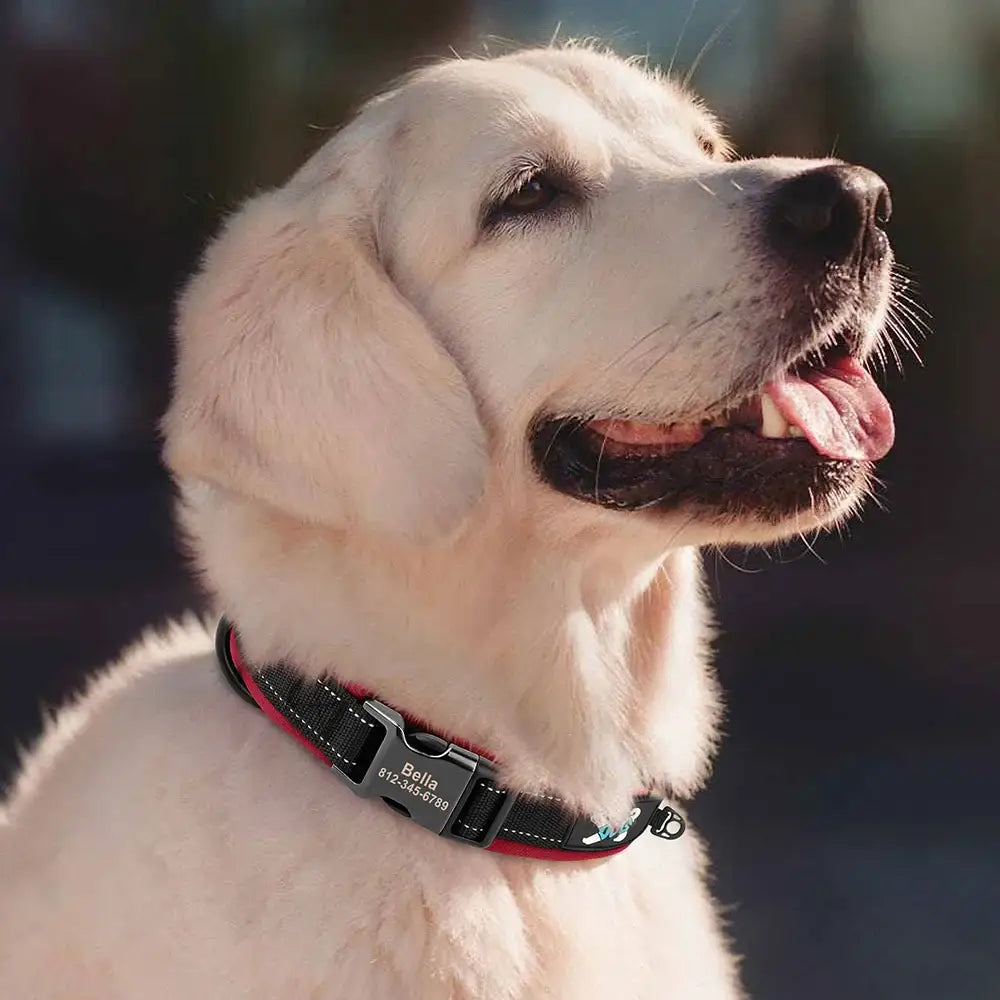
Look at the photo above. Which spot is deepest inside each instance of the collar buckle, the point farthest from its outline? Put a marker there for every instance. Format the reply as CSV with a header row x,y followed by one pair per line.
x,y
424,776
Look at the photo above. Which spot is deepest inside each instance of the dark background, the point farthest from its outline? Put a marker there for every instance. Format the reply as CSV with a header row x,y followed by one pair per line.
x,y
855,812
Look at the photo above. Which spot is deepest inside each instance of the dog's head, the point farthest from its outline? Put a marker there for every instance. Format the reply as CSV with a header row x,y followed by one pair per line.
x,y
541,280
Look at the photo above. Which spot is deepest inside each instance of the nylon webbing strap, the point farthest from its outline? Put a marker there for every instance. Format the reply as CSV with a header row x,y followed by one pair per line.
x,y
326,714
530,821
442,786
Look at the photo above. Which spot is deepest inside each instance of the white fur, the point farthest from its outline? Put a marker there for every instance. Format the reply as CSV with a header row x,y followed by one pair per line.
x,y
358,367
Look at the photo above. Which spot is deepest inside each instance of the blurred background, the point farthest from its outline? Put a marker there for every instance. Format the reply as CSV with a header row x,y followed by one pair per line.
x,y
855,812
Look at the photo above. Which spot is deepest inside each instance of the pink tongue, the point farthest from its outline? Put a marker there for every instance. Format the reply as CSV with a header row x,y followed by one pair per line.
x,y
839,408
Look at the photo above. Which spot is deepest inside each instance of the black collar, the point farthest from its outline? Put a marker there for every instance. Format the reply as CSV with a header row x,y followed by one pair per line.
x,y
449,789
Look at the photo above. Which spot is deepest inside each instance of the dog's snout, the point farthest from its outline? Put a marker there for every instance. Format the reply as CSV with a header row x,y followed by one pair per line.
x,y
833,212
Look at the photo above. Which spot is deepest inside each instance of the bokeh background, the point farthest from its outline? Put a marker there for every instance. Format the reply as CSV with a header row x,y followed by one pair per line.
x,y
855,812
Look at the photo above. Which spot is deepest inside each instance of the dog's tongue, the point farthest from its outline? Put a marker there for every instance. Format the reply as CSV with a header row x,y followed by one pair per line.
x,y
839,408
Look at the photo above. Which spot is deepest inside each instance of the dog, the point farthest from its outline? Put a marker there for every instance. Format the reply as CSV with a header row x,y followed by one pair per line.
x,y
454,411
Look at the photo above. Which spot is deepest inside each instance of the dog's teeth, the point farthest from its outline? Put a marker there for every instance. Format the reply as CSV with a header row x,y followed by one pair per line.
x,y
774,424
795,432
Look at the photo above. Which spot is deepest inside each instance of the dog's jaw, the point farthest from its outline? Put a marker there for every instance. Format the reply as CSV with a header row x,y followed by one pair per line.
x,y
580,662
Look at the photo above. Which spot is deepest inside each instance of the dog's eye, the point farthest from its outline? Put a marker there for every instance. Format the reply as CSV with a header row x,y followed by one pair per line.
x,y
536,193
708,146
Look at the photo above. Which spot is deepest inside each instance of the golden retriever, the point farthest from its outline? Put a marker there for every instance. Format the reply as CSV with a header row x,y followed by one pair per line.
x,y
454,409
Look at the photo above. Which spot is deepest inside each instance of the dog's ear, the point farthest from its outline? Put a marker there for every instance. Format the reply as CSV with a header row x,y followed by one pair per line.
x,y
304,378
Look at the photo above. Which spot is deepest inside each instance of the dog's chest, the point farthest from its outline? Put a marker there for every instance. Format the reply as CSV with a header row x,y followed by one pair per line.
x,y
640,925
238,862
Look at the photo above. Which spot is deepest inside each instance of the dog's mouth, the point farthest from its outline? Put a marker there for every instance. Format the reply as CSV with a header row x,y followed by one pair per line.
x,y
834,405
802,442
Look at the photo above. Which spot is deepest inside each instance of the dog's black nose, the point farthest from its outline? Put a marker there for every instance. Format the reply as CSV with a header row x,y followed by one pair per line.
x,y
834,212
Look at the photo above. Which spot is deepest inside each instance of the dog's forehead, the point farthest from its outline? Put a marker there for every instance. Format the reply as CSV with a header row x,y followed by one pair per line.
x,y
625,91
575,99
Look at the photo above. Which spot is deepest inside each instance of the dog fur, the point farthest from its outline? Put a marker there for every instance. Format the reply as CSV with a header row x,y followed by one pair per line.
x,y
358,366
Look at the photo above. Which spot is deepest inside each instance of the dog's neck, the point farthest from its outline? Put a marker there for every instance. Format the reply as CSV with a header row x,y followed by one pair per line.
x,y
581,667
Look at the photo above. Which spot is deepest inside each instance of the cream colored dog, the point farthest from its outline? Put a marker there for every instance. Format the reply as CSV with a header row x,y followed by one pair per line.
x,y
454,408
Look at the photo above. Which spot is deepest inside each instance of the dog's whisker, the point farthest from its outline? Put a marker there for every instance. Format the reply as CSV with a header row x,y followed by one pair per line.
x,y
905,310
646,372
680,37
890,343
897,331
636,345
712,39
721,554
665,353
912,310
920,312
564,421
597,468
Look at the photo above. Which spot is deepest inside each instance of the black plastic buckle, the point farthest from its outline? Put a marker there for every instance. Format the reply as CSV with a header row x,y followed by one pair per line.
x,y
424,777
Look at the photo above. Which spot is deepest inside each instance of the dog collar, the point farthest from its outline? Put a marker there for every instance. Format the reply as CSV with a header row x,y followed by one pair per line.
x,y
443,786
